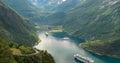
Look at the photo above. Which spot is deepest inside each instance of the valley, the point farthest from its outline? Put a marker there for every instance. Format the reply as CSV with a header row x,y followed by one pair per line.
x,y
95,23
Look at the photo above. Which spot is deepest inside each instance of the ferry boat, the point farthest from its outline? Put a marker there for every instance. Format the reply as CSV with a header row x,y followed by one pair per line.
x,y
65,38
83,59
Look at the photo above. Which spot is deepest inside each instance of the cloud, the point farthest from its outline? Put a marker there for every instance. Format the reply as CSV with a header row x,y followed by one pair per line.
x,y
34,2
63,0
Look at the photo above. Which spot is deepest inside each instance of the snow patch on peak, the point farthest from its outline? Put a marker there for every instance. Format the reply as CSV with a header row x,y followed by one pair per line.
x,y
63,0
108,3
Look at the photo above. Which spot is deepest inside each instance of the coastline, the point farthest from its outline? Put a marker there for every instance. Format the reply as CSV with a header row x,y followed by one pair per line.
x,y
98,53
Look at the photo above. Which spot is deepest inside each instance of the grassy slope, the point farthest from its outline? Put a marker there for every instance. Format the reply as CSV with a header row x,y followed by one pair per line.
x,y
8,56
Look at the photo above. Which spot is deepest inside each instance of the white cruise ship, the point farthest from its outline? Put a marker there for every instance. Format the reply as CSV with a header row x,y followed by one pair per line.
x,y
83,59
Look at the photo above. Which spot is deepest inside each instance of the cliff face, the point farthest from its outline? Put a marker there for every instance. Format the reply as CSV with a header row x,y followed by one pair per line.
x,y
14,27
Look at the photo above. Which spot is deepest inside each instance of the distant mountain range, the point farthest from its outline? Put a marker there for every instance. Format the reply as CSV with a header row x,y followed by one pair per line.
x,y
42,6
52,6
35,9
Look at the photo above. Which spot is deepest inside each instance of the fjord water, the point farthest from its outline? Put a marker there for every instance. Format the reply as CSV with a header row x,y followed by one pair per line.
x,y
63,50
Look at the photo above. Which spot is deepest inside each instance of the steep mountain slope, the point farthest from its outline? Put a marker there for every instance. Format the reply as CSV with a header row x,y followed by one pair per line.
x,y
25,8
89,16
98,23
14,28
14,31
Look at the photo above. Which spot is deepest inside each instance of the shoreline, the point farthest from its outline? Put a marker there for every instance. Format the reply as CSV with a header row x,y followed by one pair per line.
x,y
97,53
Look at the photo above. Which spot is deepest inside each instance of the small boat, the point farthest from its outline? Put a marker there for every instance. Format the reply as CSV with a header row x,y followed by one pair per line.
x,y
83,59
65,38
46,34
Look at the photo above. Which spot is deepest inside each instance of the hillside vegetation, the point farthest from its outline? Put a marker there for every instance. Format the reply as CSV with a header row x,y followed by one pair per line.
x,y
7,54
97,21
15,38
14,28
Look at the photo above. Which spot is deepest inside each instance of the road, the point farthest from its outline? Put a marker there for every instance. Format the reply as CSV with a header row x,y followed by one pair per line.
x,y
32,54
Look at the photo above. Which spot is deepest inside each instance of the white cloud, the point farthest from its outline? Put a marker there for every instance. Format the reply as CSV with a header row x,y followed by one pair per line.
x,y
63,0
34,2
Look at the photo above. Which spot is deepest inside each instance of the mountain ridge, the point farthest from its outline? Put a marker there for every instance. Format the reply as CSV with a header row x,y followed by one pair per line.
x,y
14,26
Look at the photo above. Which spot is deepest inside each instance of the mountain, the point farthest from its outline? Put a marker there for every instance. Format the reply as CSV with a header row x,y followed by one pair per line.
x,y
15,28
98,23
15,39
36,9
24,7
54,5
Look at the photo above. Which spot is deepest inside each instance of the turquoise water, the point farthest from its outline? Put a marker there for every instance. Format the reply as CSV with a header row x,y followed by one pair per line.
x,y
63,49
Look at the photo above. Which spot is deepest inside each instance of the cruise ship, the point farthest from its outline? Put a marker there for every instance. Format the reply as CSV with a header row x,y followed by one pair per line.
x,y
83,59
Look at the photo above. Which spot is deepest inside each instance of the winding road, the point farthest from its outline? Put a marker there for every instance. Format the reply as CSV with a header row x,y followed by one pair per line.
x,y
32,54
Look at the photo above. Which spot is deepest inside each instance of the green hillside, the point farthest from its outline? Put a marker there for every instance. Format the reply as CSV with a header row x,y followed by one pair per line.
x,y
7,54
98,23
25,8
16,36
14,28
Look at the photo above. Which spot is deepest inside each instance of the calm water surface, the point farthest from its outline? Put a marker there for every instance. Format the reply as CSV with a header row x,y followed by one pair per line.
x,y
63,50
